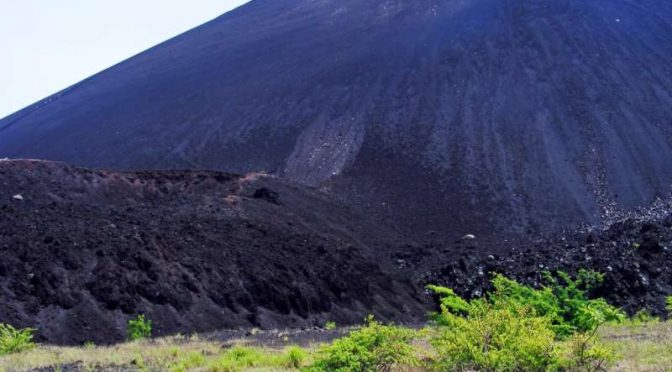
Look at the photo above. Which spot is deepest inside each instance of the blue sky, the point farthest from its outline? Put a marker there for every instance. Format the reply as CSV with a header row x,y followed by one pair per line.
x,y
49,45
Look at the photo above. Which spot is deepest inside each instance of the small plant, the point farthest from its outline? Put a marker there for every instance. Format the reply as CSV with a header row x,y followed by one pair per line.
x,y
374,347
14,340
295,357
643,316
139,328
668,305
330,325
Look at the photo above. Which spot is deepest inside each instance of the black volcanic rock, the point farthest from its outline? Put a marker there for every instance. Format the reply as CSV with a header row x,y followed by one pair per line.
x,y
668,220
84,251
266,194
637,276
480,116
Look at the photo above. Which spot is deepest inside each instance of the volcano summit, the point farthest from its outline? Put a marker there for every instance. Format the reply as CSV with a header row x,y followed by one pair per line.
x,y
454,116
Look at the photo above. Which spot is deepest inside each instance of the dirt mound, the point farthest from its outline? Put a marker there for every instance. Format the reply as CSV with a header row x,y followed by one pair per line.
x,y
82,251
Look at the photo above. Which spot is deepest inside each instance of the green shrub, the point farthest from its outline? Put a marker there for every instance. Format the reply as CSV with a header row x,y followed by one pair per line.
x,y
492,338
575,311
14,340
668,304
519,328
563,300
330,325
374,347
139,328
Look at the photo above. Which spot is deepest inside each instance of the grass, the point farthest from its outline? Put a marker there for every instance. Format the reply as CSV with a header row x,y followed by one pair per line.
x,y
176,353
641,347
513,328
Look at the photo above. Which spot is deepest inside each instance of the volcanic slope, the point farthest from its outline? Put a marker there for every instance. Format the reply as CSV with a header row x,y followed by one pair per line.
x,y
83,251
483,116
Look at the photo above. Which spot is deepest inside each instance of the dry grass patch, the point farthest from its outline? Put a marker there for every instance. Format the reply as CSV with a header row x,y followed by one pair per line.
x,y
642,346
176,353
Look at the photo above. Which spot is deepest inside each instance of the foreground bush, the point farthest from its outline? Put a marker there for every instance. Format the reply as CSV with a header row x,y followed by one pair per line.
x,y
519,328
374,347
14,340
491,338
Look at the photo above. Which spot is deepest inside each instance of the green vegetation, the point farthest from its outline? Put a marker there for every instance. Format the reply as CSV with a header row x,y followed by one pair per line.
x,y
139,328
562,300
330,325
375,347
520,328
14,340
295,357
643,316
242,358
492,338
176,354
514,328
640,347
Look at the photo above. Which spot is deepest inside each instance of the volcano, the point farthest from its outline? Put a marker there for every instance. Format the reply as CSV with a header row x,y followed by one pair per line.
x,y
435,116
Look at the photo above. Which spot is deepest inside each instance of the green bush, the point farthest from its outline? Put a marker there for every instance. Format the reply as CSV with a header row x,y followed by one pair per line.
x,y
492,338
139,328
668,304
519,328
330,325
563,300
575,312
14,340
374,347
